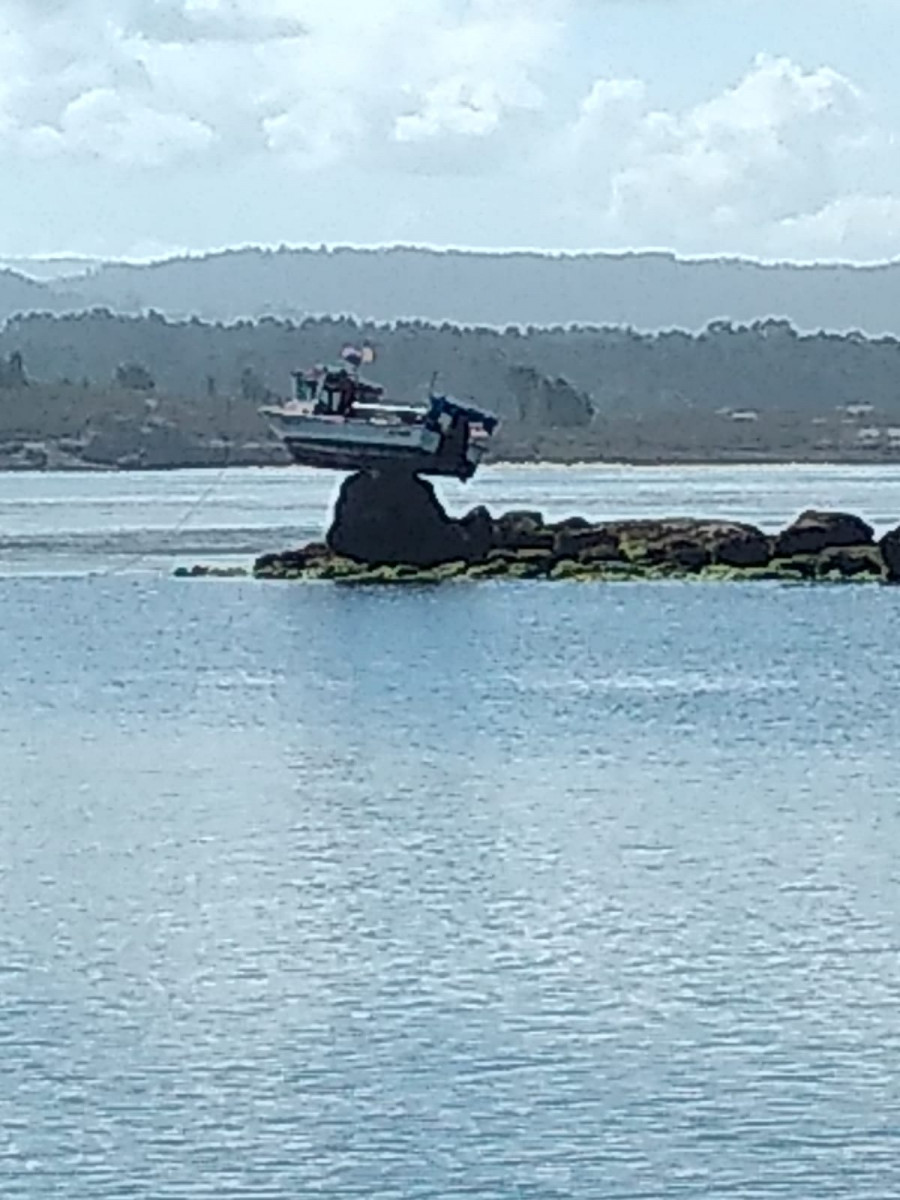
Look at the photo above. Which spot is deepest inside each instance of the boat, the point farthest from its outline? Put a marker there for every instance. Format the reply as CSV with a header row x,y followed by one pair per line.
x,y
338,420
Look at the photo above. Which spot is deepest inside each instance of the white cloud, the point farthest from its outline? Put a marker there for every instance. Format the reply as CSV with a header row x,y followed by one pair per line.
x,y
478,73
179,21
790,159
103,124
866,228
764,156
310,79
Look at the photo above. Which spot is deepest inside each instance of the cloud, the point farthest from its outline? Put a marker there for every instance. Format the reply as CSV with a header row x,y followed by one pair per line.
x,y
789,159
868,227
186,21
416,84
770,154
103,124
479,72
312,80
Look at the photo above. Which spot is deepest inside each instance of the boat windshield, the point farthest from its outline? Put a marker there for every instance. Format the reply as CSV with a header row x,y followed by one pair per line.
x,y
306,387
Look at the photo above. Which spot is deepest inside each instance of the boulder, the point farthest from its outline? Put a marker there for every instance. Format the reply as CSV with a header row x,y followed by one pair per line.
x,y
814,532
684,541
594,542
850,561
393,517
522,530
741,545
890,553
478,526
272,566
684,553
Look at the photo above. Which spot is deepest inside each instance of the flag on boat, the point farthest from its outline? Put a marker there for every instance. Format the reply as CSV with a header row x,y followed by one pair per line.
x,y
356,356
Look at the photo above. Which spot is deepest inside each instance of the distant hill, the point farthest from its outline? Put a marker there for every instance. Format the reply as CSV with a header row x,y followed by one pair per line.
x,y
18,294
52,268
646,291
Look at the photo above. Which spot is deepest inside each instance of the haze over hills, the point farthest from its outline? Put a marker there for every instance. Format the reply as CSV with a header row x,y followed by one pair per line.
x,y
647,291
52,267
19,293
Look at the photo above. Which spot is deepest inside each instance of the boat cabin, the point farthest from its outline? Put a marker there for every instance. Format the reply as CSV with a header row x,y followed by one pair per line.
x,y
334,391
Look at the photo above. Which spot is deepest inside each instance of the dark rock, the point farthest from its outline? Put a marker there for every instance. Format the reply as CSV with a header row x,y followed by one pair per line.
x,y
274,565
501,555
601,552
390,528
815,531
742,546
395,518
199,571
801,566
850,561
478,526
522,531
680,552
729,543
890,553
571,524
586,541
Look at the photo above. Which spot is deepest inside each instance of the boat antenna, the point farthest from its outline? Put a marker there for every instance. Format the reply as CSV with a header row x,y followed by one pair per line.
x,y
433,384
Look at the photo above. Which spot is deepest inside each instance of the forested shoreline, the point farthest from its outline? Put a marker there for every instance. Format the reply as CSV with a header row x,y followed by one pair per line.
x,y
105,389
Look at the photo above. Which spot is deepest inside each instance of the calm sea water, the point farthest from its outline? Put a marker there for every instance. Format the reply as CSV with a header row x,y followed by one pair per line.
x,y
147,521
492,891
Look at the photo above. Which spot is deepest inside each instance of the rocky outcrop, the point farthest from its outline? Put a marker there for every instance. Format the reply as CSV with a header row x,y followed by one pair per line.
x,y
393,518
814,532
692,542
394,530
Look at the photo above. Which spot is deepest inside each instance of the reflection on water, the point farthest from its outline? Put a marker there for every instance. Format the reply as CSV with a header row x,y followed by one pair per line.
x,y
494,891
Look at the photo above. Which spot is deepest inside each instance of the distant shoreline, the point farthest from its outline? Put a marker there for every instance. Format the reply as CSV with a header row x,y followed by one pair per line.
x,y
77,467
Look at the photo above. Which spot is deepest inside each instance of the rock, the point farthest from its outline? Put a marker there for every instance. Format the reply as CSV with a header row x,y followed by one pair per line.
x,y
204,572
273,566
890,553
522,531
586,542
571,524
478,525
815,531
851,561
516,556
683,540
393,517
681,552
391,528
799,566
742,546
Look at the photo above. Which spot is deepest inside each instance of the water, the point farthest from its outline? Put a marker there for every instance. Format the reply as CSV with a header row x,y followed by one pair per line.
x,y
152,520
499,891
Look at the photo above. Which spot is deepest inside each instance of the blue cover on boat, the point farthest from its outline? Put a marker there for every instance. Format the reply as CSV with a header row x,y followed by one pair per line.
x,y
443,404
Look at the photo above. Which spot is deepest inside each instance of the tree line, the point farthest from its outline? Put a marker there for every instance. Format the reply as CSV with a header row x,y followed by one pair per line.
x,y
590,372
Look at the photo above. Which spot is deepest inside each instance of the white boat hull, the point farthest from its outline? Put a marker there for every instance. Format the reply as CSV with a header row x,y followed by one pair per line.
x,y
348,444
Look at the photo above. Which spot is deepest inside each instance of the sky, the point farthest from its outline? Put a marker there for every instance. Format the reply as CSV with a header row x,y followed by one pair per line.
x,y
760,128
